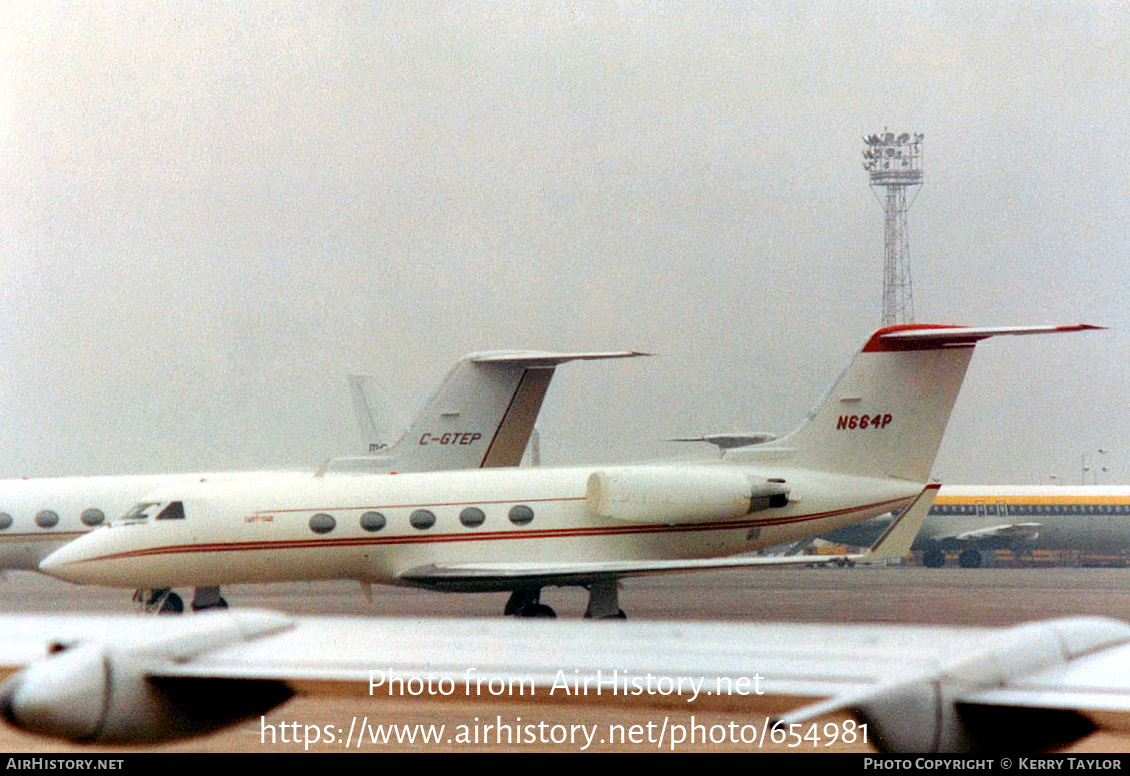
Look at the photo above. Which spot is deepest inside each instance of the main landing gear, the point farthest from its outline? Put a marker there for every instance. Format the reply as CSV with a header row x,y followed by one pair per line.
x,y
604,602
526,602
933,559
163,600
967,559
208,598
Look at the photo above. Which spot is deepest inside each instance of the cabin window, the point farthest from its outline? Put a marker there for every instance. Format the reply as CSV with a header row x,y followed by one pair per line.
x,y
92,517
322,523
520,514
47,519
422,519
372,521
472,517
174,511
5,520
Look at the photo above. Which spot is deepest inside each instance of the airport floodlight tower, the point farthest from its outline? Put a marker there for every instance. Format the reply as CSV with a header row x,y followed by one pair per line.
x,y
895,163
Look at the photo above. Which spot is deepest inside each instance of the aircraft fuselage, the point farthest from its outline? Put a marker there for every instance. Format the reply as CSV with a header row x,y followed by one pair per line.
x,y
374,528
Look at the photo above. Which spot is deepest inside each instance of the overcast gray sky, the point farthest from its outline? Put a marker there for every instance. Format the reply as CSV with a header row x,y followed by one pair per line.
x,y
210,212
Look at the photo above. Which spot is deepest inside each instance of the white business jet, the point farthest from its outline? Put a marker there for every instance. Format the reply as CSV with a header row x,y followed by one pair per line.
x,y
499,393
865,450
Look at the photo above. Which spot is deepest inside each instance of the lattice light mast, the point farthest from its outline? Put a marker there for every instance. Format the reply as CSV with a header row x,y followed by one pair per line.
x,y
895,163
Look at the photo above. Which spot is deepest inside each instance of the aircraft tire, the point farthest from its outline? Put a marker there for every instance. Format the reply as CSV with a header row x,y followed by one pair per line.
x,y
221,604
933,559
620,615
969,559
538,610
171,605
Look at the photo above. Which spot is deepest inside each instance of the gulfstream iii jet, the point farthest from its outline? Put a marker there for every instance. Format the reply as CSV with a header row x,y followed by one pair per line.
x,y
481,415
865,450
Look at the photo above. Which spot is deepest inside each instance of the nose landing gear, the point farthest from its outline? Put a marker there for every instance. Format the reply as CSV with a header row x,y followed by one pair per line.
x,y
163,600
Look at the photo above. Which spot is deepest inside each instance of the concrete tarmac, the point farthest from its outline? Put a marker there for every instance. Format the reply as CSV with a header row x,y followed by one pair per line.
x,y
860,595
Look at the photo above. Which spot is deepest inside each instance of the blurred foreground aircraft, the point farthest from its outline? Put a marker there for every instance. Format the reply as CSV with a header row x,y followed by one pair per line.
x,y
1034,687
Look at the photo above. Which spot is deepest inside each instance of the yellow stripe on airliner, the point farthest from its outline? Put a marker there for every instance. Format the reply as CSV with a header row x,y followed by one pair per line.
x,y
1032,500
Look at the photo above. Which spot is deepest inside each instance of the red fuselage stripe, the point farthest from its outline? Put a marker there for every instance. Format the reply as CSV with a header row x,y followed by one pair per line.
x,y
295,544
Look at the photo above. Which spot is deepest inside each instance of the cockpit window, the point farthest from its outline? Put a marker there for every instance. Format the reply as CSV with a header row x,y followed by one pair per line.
x,y
141,511
174,511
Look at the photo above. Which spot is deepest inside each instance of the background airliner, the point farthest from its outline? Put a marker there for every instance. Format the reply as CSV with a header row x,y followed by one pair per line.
x,y
865,450
498,394
975,519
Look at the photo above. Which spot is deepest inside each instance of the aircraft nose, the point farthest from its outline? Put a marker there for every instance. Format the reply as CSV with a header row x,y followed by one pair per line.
x,y
63,563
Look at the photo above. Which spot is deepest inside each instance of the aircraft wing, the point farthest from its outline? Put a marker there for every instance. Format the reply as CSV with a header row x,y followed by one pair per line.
x,y
488,577
894,543
99,679
1008,532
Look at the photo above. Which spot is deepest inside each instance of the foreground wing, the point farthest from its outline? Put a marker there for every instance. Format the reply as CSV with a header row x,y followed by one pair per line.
x,y
918,688
138,679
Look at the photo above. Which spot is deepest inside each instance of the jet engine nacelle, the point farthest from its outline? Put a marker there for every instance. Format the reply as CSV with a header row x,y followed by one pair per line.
x,y
97,694
678,494
946,710
928,716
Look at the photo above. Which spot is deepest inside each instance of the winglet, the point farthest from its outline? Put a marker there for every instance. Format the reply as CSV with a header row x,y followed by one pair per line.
x,y
900,534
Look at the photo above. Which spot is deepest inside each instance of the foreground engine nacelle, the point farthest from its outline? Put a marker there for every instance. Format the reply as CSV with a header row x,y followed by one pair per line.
x,y
928,716
128,690
679,494
94,693
963,706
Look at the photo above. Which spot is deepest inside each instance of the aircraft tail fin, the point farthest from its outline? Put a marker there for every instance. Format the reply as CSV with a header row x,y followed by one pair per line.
x,y
378,422
484,412
886,414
